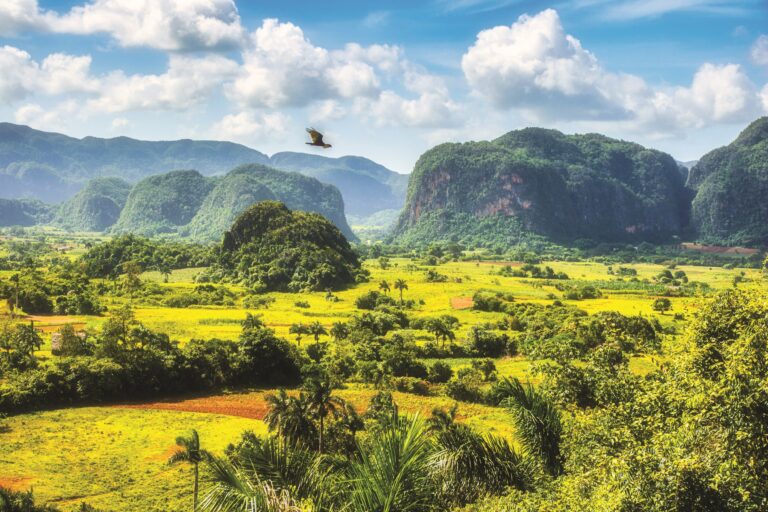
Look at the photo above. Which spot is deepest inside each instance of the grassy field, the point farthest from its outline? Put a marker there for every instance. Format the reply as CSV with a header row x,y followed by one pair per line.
x,y
114,457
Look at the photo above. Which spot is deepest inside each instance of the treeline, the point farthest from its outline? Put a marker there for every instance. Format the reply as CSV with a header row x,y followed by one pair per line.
x,y
127,361
108,258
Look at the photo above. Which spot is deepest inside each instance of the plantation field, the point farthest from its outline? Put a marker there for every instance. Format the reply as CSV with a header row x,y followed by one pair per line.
x,y
115,457
452,297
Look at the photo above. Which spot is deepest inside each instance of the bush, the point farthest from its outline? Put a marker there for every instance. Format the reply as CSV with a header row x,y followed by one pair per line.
x,y
486,343
411,385
439,373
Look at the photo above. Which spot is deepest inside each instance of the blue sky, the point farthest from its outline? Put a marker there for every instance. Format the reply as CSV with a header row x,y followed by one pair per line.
x,y
386,80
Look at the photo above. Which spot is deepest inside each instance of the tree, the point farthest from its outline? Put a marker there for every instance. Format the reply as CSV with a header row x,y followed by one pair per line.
x,y
539,428
662,305
26,339
15,280
279,408
440,330
339,331
384,286
316,329
131,277
299,330
401,285
322,402
165,270
190,452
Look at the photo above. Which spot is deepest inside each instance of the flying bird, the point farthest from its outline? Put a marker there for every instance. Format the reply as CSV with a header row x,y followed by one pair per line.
x,y
317,138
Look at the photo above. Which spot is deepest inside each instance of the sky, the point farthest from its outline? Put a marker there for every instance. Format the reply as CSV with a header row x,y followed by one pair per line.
x,y
386,80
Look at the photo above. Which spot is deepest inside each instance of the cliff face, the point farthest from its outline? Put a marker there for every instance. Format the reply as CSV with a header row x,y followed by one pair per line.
x,y
731,184
542,181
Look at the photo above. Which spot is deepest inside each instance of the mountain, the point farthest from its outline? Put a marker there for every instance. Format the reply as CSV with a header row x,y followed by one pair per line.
x,y
269,247
96,207
53,167
731,184
367,187
163,203
246,184
24,212
537,181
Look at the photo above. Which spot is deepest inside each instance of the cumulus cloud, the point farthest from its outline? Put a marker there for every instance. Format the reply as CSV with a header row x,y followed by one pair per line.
x,y
188,81
248,127
57,117
21,76
281,67
534,66
759,51
174,25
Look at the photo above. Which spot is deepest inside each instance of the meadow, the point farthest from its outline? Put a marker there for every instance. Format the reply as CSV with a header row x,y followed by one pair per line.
x,y
114,457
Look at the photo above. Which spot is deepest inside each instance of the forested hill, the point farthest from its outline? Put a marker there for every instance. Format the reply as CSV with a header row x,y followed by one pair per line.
x,y
31,158
367,187
731,183
563,187
190,204
53,167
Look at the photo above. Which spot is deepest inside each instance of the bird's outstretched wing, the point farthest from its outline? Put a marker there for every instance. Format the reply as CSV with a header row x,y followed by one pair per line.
x,y
317,137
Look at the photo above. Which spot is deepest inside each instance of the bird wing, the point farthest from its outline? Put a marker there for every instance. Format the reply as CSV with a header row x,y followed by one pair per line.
x,y
317,137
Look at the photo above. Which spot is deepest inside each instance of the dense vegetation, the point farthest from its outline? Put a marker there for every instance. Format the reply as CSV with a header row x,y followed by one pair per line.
x,y
270,247
23,212
247,184
163,203
731,185
108,259
542,181
96,207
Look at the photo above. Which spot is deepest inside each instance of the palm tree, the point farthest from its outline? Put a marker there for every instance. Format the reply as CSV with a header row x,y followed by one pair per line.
x,y
322,403
316,329
393,472
384,286
15,280
299,330
279,407
298,426
339,331
440,330
401,285
190,452
539,428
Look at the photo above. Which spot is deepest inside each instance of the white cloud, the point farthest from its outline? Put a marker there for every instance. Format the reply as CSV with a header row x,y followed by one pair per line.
x,y
21,76
247,127
163,24
17,16
119,122
535,67
759,52
188,81
281,67
327,110
58,117
626,10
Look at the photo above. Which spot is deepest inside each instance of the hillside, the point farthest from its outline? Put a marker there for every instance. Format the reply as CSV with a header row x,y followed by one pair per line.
x,y
52,166
270,247
563,187
163,203
247,184
731,184
96,207
23,212
367,187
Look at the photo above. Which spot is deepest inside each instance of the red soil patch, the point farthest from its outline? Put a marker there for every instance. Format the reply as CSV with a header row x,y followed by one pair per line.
x,y
166,454
718,249
462,302
15,483
250,405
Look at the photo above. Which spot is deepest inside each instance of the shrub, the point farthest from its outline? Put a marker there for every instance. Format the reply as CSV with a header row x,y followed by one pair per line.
x,y
439,373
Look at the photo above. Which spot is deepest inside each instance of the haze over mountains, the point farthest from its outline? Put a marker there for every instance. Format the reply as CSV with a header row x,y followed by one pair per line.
x,y
530,182
53,167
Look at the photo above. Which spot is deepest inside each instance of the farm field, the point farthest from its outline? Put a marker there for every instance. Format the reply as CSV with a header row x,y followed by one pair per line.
x,y
114,457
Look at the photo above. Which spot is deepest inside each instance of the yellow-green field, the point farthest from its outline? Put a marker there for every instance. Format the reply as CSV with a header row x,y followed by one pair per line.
x,y
114,457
